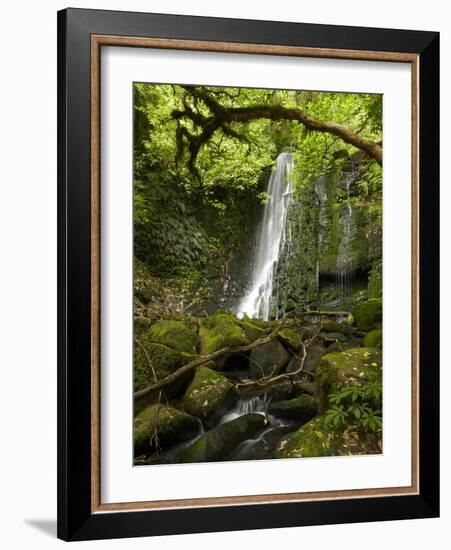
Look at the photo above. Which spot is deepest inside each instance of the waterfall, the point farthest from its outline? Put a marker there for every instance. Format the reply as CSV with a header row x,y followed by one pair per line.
x,y
271,237
246,405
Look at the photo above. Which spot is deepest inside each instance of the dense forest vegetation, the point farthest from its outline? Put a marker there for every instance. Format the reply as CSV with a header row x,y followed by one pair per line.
x,y
212,382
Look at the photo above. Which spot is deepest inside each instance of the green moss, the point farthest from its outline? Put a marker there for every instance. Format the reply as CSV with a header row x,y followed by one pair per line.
x,y
219,331
162,424
208,393
253,328
368,314
316,439
375,280
312,439
332,326
156,361
173,334
290,338
373,339
334,370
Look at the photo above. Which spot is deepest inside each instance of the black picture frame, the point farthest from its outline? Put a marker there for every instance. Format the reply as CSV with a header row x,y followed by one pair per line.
x,y
76,520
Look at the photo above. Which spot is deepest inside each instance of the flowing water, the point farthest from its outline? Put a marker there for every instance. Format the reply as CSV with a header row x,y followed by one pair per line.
x,y
257,302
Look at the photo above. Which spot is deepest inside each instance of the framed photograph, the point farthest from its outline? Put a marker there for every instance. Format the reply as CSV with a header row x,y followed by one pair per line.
x,y
248,274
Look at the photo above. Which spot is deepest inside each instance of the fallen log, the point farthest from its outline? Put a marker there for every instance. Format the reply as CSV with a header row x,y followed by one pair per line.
x,y
202,360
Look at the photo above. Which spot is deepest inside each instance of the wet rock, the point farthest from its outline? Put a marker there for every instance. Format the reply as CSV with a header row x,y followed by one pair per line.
x,y
268,359
250,450
159,426
302,408
272,437
282,390
222,440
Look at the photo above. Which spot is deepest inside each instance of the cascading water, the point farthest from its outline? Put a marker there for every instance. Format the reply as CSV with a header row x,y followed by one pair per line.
x,y
257,302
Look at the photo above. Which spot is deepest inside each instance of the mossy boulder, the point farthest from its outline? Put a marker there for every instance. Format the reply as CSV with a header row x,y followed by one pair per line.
x,y
302,408
268,359
316,439
313,439
222,440
209,395
358,365
373,339
290,338
334,327
332,337
368,315
253,328
174,334
158,361
159,426
219,331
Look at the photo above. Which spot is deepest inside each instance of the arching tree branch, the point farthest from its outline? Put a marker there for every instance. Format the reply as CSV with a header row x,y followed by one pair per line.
x,y
222,117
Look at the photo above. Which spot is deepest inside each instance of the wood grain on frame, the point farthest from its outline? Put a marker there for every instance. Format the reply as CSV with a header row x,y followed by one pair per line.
x,y
226,47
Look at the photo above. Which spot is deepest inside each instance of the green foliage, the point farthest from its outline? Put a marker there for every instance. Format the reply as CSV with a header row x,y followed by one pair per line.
x,y
357,406
319,152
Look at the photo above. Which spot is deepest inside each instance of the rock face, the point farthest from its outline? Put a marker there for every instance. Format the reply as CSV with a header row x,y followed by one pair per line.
x,y
333,242
162,424
375,280
219,442
268,359
219,331
335,370
209,395
368,315
302,408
